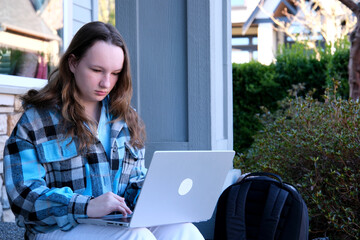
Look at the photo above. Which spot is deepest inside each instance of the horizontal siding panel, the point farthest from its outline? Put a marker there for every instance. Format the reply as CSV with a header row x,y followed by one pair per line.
x,y
83,3
82,14
76,26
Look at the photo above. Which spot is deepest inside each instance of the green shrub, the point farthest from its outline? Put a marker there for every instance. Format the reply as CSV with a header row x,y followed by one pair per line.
x,y
256,85
337,68
315,145
299,64
253,86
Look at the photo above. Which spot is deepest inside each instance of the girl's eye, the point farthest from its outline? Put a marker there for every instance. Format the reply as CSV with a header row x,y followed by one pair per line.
x,y
116,73
96,70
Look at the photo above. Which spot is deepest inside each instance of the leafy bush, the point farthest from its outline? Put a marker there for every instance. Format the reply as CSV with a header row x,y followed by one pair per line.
x,y
299,64
253,86
337,68
256,85
315,145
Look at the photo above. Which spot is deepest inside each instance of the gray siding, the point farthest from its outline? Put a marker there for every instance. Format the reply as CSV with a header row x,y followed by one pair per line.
x,y
83,11
180,57
163,61
76,14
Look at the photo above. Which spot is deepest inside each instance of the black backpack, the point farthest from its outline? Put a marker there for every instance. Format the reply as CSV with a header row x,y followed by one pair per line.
x,y
261,207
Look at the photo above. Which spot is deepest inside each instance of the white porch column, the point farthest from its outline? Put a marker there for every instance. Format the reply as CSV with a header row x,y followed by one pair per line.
x,y
266,43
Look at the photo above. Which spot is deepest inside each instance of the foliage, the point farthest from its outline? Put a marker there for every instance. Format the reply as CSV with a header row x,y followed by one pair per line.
x,y
256,85
299,64
9,59
326,20
337,68
315,145
253,86
107,11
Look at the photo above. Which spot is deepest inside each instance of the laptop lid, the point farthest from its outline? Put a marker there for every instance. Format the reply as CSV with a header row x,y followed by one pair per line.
x,y
180,186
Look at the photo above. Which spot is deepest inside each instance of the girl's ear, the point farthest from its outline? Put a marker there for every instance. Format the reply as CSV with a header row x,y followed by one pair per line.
x,y
72,62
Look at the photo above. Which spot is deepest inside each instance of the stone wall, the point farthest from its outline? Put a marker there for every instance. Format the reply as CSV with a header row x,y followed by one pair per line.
x,y
10,112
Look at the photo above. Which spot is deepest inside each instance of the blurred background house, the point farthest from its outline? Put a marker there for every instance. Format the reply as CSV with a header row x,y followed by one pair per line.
x,y
261,27
30,37
33,34
253,34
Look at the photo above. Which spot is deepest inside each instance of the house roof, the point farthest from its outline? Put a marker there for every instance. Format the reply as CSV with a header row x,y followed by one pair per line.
x,y
20,17
280,6
250,20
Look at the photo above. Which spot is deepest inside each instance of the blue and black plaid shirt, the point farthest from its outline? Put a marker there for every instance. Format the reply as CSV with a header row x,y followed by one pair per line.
x,y
49,182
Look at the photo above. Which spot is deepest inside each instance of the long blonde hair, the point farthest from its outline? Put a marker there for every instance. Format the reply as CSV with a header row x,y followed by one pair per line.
x,y
61,91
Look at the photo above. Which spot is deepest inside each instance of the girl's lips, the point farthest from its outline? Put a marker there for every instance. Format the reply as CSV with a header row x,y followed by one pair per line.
x,y
101,93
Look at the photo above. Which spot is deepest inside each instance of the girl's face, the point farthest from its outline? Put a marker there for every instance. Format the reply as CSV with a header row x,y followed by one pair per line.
x,y
97,71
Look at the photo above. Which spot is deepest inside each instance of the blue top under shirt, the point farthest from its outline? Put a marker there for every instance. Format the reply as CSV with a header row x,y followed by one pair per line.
x,y
103,130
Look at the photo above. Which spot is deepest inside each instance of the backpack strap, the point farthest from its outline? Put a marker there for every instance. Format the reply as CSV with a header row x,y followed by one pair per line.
x,y
236,228
274,204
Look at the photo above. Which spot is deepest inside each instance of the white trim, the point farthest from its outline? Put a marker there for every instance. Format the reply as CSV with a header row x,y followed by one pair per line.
x,y
19,85
95,10
68,23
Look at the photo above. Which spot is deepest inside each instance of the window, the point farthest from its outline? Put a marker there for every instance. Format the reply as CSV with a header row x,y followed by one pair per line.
x,y
244,49
240,41
240,56
255,55
254,41
31,37
237,3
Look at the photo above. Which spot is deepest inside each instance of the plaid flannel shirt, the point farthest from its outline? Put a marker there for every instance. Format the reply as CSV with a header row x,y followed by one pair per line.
x,y
49,182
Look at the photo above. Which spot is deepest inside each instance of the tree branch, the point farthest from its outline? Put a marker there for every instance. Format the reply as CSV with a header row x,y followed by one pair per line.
x,y
352,6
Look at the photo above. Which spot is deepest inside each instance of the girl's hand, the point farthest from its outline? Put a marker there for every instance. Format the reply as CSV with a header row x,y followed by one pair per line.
x,y
107,203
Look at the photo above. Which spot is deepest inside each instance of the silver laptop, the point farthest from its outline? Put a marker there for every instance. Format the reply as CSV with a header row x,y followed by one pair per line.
x,y
180,186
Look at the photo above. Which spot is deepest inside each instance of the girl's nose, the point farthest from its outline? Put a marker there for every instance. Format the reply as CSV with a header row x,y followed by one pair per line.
x,y
105,81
